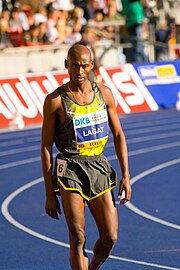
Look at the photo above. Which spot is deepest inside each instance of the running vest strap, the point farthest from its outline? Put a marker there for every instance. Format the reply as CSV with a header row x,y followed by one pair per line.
x,y
85,130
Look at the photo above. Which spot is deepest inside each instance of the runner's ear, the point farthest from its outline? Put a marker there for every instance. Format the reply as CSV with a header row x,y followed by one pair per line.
x,y
92,64
65,63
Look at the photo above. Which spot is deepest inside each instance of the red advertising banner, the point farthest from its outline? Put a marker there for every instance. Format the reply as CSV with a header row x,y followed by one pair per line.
x,y
25,93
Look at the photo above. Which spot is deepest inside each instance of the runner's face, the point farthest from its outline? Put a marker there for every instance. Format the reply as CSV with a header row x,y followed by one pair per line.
x,y
79,66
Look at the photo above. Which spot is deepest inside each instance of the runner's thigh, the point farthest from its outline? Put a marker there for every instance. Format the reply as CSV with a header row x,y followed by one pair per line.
x,y
104,211
73,206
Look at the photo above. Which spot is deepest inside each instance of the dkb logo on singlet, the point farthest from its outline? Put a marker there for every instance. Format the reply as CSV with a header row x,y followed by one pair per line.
x,y
92,127
82,121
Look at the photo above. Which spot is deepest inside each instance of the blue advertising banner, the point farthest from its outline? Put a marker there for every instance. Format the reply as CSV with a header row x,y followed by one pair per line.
x,y
162,79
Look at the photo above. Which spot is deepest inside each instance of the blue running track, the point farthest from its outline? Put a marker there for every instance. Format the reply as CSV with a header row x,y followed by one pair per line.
x,y
149,226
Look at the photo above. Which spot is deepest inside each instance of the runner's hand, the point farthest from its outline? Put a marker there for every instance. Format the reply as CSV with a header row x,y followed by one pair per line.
x,y
126,187
52,206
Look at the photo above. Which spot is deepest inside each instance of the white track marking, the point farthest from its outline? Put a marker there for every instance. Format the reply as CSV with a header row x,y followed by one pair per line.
x,y
153,137
13,142
148,149
142,175
162,250
148,138
20,150
20,134
151,129
113,157
155,122
154,169
7,215
148,216
20,162
5,212
109,144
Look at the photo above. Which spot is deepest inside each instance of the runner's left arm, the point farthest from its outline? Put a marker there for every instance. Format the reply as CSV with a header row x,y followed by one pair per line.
x,y
119,143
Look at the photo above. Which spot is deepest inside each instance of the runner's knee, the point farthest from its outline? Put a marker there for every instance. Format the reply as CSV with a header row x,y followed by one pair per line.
x,y
77,237
109,240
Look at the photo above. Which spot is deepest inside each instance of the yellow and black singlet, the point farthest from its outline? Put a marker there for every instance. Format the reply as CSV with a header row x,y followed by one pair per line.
x,y
85,130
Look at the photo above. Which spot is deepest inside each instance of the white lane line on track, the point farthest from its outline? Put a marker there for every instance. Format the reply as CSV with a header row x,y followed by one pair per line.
x,y
149,123
20,141
154,148
151,129
131,153
162,250
20,150
20,162
142,175
150,217
110,158
10,143
20,134
109,144
154,169
148,149
7,215
153,137
148,138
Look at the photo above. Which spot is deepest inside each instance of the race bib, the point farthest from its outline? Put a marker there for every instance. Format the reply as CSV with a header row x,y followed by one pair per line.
x,y
61,167
91,130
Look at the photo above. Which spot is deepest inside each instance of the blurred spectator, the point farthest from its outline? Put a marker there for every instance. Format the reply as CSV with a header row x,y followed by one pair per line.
x,y
71,36
62,29
80,3
6,5
77,20
162,36
52,32
4,19
4,29
99,16
93,6
53,35
32,37
164,11
84,5
62,25
40,16
15,26
43,38
172,43
68,37
176,13
134,15
113,32
34,5
27,16
1,6
52,17
63,5
15,23
113,13
118,5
